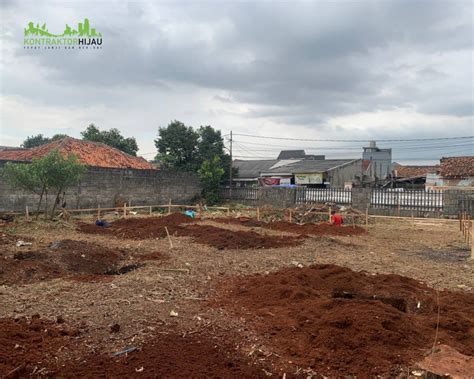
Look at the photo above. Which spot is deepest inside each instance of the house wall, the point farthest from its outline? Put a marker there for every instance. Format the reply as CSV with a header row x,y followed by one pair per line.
x,y
380,161
106,186
338,176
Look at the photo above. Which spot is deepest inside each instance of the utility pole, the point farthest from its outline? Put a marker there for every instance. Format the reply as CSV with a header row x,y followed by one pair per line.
x,y
230,171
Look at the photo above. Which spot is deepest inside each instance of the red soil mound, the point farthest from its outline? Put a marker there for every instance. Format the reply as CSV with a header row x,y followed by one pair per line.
x,y
63,258
154,227
25,344
167,356
315,229
140,228
305,229
340,322
228,239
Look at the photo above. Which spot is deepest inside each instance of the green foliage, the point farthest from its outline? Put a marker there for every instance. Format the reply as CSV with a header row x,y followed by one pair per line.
x,y
181,147
22,176
112,138
39,139
177,146
50,174
210,174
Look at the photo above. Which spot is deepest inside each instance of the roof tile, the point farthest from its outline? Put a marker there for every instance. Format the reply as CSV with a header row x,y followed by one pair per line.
x,y
89,153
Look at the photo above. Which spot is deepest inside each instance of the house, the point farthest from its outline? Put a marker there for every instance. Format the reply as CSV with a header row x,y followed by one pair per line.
x,y
294,167
409,176
93,154
454,172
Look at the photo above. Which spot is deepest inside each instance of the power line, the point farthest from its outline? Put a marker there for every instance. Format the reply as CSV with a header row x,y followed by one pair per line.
x,y
353,140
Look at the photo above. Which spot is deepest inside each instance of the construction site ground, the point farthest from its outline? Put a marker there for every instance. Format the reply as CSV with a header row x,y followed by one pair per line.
x,y
234,299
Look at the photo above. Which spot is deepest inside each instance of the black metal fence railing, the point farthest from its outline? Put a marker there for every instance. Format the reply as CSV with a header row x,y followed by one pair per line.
x,y
323,195
420,200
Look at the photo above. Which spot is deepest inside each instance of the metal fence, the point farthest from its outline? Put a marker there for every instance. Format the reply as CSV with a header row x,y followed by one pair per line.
x,y
416,200
323,195
243,193
407,199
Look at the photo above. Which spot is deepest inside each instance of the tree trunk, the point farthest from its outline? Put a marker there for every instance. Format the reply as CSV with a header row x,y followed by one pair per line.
x,y
56,201
46,205
39,204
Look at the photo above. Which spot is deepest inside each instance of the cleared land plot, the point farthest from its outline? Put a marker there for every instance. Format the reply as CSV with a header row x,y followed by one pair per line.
x,y
241,311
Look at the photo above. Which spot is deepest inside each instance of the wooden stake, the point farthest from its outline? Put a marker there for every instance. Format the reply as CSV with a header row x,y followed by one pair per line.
x,y
98,212
169,207
124,209
258,213
367,216
228,212
169,237
291,214
151,210
329,214
27,214
472,241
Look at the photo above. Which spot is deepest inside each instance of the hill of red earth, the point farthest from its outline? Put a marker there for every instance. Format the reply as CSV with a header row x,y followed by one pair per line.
x,y
338,322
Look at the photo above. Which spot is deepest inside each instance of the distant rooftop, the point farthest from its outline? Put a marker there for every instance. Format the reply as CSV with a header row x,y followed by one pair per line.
x,y
93,154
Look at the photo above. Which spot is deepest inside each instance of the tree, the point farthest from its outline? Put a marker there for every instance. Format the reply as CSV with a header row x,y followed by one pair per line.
x,y
177,146
210,174
51,173
35,141
112,138
39,139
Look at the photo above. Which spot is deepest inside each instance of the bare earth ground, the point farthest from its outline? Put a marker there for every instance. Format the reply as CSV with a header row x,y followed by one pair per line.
x,y
170,297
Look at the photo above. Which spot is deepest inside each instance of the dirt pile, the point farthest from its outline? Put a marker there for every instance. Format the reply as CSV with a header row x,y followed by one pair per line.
x,y
27,347
167,356
227,239
303,229
179,225
339,322
140,228
61,259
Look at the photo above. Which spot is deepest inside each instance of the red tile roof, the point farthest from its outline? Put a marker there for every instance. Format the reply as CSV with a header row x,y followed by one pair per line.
x,y
414,171
89,153
457,167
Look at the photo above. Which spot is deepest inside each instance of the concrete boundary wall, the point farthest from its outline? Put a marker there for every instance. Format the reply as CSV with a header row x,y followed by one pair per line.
x,y
105,187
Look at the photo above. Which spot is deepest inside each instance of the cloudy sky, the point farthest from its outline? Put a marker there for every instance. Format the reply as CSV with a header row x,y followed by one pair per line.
x,y
354,70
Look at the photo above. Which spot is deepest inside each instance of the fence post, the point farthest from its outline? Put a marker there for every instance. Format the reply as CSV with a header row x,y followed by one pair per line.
x,y
367,216
27,214
472,241
258,213
151,210
98,212
291,219
169,206
124,209
329,213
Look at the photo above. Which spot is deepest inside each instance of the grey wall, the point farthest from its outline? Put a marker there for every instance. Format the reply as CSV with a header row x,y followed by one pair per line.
x,y
106,186
381,160
346,173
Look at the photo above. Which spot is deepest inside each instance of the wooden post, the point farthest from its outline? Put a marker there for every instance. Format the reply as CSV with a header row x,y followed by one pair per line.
x,y
151,210
472,241
258,213
228,212
27,214
98,212
460,220
291,214
169,207
169,238
329,214
124,209
367,216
